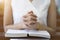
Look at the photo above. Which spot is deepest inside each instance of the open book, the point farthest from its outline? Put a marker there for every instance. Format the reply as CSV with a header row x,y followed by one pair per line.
x,y
24,33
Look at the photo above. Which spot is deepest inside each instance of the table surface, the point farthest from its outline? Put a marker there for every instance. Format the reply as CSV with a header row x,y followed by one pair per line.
x,y
28,38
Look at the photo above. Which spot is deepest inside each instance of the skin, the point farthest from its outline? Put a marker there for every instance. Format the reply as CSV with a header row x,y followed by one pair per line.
x,y
31,0
30,20
8,19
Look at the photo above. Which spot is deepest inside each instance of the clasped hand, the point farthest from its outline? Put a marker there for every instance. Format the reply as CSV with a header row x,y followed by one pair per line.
x,y
30,20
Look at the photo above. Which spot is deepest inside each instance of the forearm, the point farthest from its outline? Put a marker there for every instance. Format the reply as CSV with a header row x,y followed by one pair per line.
x,y
43,27
8,17
16,26
50,30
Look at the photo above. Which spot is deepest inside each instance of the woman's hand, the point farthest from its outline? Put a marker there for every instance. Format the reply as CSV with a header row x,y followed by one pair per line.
x,y
30,20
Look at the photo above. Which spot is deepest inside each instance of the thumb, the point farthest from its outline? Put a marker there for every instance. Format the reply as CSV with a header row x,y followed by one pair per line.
x,y
31,12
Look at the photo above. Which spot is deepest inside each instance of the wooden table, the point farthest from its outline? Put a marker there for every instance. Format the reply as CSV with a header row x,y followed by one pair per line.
x,y
28,38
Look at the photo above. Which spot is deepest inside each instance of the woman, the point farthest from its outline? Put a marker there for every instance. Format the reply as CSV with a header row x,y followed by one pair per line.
x,y
41,5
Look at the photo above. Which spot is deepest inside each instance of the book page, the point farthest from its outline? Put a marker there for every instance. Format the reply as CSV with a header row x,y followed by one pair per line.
x,y
16,33
39,34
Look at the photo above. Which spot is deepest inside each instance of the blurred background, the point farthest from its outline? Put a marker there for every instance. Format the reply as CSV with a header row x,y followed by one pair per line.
x,y
1,19
2,14
58,6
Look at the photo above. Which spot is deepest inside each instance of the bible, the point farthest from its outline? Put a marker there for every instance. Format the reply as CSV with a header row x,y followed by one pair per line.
x,y
25,33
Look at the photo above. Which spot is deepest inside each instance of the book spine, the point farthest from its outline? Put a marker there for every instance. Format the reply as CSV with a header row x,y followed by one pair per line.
x,y
27,35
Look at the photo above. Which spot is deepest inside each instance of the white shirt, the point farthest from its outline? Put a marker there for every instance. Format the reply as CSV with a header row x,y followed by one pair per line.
x,y
39,7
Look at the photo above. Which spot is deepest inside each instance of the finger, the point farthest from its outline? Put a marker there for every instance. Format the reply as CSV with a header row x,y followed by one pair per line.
x,y
33,15
25,19
31,12
33,19
32,22
30,18
26,23
25,16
